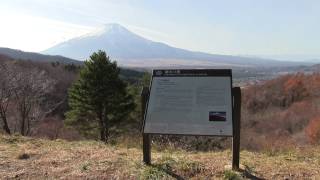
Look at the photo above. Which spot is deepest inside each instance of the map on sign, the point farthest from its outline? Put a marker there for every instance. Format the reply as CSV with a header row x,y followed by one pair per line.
x,y
190,102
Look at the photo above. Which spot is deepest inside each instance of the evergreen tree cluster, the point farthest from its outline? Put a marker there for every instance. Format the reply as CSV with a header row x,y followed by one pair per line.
x,y
99,99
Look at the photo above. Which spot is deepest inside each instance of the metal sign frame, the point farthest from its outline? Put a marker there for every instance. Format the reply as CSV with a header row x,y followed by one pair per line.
x,y
236,110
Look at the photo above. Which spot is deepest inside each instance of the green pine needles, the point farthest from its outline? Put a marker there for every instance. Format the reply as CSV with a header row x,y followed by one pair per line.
x,y
99,99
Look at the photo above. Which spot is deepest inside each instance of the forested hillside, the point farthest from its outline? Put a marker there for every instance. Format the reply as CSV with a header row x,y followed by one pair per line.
x,y
34,96
276,114
282,112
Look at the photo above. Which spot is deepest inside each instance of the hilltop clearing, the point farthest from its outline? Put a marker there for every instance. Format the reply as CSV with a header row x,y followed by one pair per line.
x,y
28,158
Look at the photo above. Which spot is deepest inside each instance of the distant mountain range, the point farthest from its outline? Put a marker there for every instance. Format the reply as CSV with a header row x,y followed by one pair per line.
x,y
22,55
7,54
130,49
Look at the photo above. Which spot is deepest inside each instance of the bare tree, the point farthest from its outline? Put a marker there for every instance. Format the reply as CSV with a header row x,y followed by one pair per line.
x,y
31,88
7,78
29,94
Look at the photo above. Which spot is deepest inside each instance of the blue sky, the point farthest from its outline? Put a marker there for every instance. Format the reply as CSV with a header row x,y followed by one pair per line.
x,y
269,28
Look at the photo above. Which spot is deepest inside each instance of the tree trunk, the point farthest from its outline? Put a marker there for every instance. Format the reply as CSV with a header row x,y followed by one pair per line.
x,y
6,127
5,124
102,129
106,128
22,128
23,121
106,135
3,116
28,126
103,134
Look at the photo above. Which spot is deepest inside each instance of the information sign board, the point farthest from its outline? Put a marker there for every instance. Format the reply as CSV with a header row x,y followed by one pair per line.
x,y
190,102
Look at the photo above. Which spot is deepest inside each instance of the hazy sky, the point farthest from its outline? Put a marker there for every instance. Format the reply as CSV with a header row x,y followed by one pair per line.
x,y
245,27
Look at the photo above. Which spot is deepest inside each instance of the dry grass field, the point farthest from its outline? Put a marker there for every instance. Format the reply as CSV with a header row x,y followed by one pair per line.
x,y
29,158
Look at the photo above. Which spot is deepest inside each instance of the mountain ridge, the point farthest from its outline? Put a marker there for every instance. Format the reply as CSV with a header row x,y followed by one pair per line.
x,y
33,56
128,47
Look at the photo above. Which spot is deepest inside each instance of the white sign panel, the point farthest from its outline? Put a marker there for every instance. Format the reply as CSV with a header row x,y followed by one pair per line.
x,y
190,102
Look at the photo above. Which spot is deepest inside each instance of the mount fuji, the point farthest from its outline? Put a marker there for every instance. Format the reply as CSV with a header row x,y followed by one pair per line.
x,y
130,49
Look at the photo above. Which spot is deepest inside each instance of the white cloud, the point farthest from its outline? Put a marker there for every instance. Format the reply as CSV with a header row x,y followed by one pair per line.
x,y
30,33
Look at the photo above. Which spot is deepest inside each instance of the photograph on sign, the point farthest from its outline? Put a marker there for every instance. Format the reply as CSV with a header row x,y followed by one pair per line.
x,y
190,102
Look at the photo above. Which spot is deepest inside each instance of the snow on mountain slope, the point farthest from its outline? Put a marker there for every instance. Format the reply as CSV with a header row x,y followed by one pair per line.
x,y
131,49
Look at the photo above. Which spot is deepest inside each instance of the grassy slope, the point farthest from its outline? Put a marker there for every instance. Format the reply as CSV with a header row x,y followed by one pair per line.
x,y
25,158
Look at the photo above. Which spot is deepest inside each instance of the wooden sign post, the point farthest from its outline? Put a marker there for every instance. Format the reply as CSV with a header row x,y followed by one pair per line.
x,y
219,115
236,94
146,140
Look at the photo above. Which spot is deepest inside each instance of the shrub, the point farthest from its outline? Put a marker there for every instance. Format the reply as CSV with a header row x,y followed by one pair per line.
x,y
313,130
24,156
231,175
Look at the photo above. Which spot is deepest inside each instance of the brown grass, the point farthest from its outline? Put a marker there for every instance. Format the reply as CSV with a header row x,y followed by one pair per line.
x,y
94,160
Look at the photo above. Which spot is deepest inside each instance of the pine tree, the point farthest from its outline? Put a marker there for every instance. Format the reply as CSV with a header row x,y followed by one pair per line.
x,y
99,99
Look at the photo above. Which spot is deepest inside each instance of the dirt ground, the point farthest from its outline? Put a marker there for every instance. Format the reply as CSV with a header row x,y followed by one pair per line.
x,y
28,158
